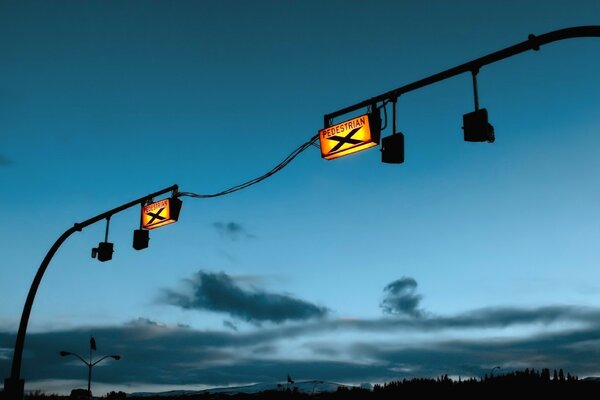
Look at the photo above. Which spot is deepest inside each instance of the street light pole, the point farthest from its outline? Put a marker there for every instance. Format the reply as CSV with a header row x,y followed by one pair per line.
x,y
90,379
89,364
92,348
14,386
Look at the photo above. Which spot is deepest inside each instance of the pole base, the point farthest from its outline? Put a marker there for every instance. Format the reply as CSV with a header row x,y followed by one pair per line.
x,y
14,389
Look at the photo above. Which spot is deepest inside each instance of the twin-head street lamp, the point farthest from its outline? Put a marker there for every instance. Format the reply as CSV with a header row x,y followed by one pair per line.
x,y
90,363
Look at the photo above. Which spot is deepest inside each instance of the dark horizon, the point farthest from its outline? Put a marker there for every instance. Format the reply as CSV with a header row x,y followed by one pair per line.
x,y
544,382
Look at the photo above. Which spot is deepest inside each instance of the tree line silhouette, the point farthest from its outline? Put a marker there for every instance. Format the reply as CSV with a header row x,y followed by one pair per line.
x,y
541,382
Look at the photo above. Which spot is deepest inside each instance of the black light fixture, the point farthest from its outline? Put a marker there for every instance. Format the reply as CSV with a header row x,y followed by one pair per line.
x,y
103,252
141,238
476,126
105,249
392,147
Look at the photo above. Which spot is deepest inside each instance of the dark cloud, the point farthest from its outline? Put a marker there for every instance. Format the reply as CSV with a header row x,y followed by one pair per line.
x,y
165,355
220,293
574,350
484,318
231,230
151,352
400,298
144,322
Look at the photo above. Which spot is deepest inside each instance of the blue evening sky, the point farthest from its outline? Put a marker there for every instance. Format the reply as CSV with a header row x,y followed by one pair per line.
x,y
467,256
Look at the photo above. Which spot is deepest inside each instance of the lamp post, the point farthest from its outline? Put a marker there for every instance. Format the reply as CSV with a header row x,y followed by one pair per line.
x,y
90,363
14,386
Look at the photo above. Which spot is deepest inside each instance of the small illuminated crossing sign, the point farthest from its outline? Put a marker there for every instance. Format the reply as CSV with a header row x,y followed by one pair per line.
x,y
350,136
160,213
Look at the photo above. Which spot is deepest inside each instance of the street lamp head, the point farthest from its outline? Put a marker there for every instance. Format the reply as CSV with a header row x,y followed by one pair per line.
x,y
64,353
141,237
477,128
116,357
103,252
392,149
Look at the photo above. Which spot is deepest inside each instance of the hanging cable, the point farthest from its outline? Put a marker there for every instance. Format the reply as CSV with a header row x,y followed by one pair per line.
x,y
261,178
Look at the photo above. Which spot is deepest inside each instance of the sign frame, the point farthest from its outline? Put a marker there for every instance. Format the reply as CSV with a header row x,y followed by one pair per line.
x,y
350,136
160,213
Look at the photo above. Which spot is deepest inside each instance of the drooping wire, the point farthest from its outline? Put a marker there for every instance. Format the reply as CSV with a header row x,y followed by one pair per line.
x,y
254,181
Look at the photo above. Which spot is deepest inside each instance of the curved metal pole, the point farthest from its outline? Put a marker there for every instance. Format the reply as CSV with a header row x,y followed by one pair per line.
x,y
81,358
103,358
14,386
532,43
20,342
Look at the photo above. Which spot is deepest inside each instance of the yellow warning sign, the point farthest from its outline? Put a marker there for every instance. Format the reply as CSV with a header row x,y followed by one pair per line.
x,y
348,137
160,213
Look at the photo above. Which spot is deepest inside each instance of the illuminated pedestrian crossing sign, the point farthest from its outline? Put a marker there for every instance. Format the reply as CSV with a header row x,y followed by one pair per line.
x,y
350,136
160,213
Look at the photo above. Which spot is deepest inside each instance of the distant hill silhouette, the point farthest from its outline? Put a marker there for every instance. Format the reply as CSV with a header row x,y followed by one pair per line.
x,y
541,382
308,387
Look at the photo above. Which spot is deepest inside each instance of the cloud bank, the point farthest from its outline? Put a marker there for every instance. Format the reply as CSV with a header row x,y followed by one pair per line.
x,y
372,350
156,353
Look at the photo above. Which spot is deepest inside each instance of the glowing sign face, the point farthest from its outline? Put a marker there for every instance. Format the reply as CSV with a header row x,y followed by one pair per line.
x,y
161,213
350,136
